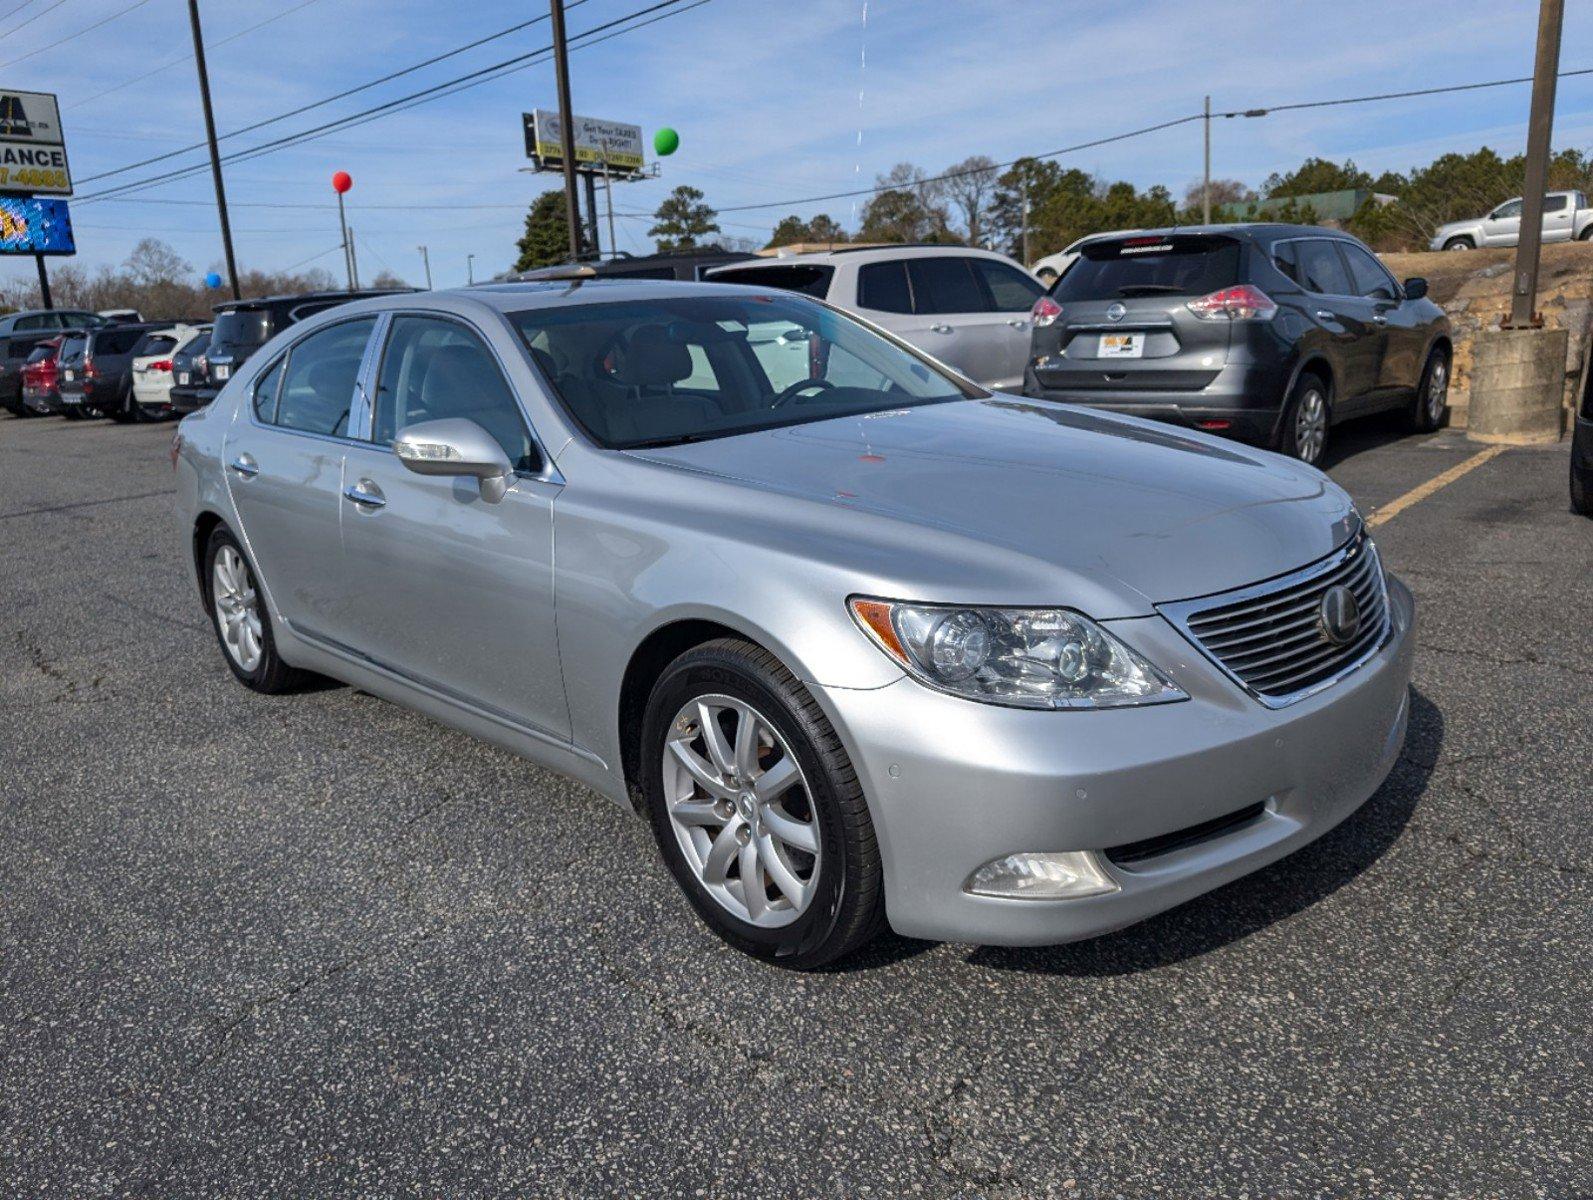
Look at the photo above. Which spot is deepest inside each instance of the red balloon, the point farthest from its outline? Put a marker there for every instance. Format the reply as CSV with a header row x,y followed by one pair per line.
x,y
342,181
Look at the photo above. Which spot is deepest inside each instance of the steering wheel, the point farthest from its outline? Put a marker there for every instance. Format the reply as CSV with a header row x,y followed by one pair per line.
x,y
796,389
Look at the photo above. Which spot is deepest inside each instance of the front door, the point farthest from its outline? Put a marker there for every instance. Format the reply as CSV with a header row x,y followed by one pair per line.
x,y
443,588
1357,338
1502,227
283,462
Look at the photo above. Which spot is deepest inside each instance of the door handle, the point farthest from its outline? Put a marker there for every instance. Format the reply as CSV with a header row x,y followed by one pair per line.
x,y
245,466
1019,324
1379,319
940,327
365,494
1323,314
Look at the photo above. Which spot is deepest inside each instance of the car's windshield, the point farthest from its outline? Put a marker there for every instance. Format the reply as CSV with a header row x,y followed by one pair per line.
x,y
653,372
1176,265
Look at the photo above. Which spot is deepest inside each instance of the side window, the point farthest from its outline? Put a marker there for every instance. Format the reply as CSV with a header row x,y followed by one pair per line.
x,y
1321,269
1506,211
37,321
265,392
1553,203
433,369
318,383
1285,259
882,286
1010,289
944,284
1367,274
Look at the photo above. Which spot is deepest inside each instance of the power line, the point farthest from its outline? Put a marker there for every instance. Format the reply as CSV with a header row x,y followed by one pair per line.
x,y
304,108
11,12
182,58
74,36
399,104
1434,91
30,20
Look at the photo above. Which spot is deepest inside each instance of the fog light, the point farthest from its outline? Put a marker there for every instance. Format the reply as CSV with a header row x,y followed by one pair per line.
x,y
1064,875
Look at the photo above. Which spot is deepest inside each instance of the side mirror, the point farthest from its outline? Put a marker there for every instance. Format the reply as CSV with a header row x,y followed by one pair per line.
x,y
1415,289
456,446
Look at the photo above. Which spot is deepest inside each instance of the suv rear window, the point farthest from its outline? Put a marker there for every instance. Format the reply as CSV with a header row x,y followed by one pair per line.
x,y
1176,265
810,279
242,329
116,341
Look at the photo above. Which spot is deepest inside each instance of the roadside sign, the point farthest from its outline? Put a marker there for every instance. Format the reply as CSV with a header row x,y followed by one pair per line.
x,y
32,146
35,227
597,143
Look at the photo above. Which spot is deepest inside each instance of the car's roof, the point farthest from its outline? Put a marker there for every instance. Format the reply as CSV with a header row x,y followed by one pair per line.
x,y
858,254
561,293
291,299
1269,231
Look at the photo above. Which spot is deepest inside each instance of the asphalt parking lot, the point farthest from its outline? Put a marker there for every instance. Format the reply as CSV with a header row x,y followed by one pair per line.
x,y
262,946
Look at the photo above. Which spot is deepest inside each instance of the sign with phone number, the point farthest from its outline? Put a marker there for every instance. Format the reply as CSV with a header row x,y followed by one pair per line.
x,y
32,146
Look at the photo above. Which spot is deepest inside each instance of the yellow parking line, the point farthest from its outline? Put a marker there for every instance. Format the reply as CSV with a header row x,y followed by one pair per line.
x,y
1417,494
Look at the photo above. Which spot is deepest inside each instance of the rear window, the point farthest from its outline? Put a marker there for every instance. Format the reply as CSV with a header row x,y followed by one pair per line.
x,y
42,351
810,279
242,329
72,347
1178,265
154,343
116,341
194,348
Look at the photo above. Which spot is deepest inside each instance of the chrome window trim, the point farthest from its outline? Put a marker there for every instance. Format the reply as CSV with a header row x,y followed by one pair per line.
x,y
550,472
1180,612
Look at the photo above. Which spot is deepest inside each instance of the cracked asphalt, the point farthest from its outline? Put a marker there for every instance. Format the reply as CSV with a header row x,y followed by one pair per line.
x,y
318,944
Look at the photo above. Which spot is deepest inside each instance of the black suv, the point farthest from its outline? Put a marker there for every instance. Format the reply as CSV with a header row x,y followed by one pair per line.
x,y
190,390
243,326
1269,333
96,371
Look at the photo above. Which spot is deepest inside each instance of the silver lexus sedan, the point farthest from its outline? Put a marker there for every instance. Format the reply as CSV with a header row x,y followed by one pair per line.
x,y
863,641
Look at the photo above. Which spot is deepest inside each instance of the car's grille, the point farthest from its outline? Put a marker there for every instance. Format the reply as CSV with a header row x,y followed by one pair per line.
x,y
1273,637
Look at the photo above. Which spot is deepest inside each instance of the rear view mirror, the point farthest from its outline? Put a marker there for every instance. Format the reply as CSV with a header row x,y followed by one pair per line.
x,y
1415,289
456,446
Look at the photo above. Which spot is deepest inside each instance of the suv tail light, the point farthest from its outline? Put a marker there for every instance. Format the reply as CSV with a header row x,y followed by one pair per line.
x,y
1045,311
160,364
1242,302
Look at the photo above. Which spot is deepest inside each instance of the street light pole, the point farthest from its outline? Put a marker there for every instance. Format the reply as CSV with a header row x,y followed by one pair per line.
x,y
470,268
561,60
348,247
215,155
425,258
1205,190
1540,127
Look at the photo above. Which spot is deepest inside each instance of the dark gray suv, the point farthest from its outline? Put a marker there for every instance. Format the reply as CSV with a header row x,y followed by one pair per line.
x,y
1269,333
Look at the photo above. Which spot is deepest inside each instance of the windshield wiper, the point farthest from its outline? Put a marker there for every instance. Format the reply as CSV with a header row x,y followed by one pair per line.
x,y
1150,289
674,439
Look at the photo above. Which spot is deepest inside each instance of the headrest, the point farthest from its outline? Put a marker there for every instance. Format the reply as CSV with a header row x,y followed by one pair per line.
x,y
460,379
544,362
647,358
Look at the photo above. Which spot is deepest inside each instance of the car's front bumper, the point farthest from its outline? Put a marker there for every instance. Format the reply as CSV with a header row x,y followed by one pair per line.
x,y
954,784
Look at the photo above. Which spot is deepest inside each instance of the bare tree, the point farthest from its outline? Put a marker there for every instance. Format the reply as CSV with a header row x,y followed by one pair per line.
x,y
971,186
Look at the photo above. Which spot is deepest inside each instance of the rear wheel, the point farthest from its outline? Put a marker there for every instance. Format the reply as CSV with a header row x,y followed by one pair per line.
x,y
1431,402
756,808
1303,431
1460,243
1586,235
242,624
125,410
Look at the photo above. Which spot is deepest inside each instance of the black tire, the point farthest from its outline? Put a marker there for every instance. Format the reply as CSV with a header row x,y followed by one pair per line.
x,y
1420,417
125,411
1581,495
1586,235
1287,439
848,907
1460,243
270,675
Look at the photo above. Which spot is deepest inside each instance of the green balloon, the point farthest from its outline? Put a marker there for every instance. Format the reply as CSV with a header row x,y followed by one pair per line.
x,y
666,141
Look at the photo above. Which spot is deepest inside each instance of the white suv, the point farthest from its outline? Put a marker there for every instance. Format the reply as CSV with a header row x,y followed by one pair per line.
x,y
968,308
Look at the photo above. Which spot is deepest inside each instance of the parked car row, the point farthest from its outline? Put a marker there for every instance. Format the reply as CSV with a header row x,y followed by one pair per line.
x,y
81,364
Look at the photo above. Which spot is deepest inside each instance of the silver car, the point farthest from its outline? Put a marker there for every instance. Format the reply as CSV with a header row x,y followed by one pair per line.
x,y
865,642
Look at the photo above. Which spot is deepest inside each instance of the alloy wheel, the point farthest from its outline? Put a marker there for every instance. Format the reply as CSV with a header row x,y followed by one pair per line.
x,y
741,810
237,606
1437,391
1310,425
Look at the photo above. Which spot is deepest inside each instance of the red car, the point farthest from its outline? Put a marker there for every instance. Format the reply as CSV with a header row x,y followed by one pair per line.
x,y
41,377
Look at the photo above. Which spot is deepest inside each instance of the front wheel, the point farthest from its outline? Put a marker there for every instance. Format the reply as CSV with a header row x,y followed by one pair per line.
x,y
1303,431
1431,402
757,810
1460,243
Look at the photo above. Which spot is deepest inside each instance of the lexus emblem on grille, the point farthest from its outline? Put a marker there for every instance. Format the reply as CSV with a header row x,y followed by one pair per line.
x,y
1116,312
1339,615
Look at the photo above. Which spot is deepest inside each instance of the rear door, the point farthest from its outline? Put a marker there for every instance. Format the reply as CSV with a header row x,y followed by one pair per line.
x,y
885,296
1557,214
963,328
1011,293
1355,338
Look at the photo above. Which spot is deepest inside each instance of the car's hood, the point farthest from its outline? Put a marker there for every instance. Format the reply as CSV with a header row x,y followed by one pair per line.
x,y
1168,514
1450,226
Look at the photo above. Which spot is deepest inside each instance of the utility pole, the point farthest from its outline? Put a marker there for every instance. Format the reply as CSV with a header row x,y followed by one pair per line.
x,y
425,258
561,59
348,246
44,282
608,199
1205,190
470,268
215,155
1026,226
353,263
1540,127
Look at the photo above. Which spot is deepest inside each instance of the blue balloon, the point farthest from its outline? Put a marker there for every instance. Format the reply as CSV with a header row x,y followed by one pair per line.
x,y
212,280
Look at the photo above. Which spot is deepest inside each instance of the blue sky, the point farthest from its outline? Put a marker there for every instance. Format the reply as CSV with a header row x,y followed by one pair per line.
x,y
766,97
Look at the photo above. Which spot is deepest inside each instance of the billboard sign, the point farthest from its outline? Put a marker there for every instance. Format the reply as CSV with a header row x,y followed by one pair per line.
x,y
598,143
32,146
35,227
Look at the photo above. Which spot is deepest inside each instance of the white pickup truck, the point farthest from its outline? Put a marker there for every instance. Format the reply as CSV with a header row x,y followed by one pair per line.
x,y
1566,218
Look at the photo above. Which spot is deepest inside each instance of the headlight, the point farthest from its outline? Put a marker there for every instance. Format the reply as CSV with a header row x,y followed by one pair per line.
x,y
1025,657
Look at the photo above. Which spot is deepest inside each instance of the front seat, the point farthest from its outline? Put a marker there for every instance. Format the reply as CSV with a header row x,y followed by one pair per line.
x,y
647,363
461,382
